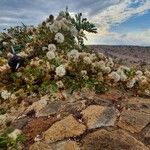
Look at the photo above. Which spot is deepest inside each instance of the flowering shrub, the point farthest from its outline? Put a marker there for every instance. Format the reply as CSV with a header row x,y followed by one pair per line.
x,y
54,61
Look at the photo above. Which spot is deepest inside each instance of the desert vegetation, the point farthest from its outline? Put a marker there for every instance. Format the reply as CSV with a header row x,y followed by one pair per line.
x,y
51,59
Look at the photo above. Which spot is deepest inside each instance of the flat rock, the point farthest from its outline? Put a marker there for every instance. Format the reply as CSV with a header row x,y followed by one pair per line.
x,y
146,135
40,146
50,109
72,108
138,103
20,123
38,105
112,95
133,121
111,140
68,127
66,145
97,116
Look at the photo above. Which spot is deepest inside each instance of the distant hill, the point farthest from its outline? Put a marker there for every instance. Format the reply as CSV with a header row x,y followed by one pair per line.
x,y
130,55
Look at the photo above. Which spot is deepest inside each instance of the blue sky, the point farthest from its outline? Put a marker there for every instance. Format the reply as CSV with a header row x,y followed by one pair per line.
x,y
119,22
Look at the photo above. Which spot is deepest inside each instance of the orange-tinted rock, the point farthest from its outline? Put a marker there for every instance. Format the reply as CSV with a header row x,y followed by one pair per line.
x,y
97,116
66,145
133,121
40,146
68,127
111,140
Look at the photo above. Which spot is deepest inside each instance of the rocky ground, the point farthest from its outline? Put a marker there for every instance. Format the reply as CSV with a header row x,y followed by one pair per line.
x,y
112,121
41,70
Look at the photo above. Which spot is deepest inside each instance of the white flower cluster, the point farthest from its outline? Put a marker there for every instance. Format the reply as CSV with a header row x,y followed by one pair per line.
x,y
131,83
60,84
13,135
87,60
60,71
114,76
110,63
55,27
51,47
5,94
122,74
73,54
147,73
22,54
74,31
59,37
50,55
83,72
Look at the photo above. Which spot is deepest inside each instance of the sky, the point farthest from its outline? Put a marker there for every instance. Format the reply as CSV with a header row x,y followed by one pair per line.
x,y
119,22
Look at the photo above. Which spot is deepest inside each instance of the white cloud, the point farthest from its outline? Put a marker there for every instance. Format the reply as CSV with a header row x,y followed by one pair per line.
x,y
129,38
120,12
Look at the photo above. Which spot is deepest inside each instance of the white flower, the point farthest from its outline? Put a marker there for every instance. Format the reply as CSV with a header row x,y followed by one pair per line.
x,y
81,32
123,76
139,73
130,84
13,41
13,135
55,27
60,71
106,69
60,84
22,54
59,37
74,31
147,73
64,24
83,72
5,43
101,64
100,76
147,92
48,25
73,54
142,78
50,55
125,68
37,138
5,94
44,48
87,60
114,76
101,55
61,15
51,47
110,62
93,57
